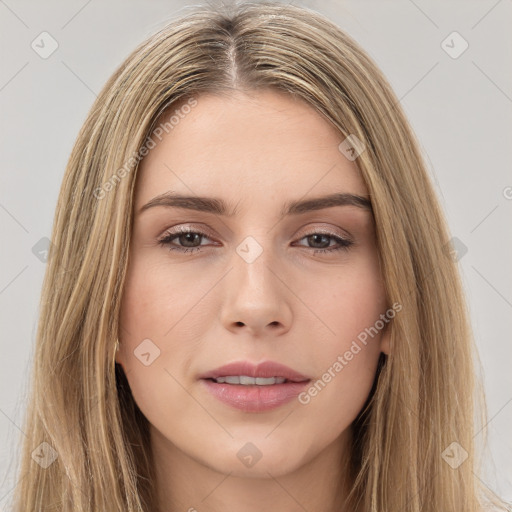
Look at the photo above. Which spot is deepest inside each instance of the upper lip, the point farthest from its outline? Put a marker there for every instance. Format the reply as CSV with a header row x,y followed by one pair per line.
x,y
265,369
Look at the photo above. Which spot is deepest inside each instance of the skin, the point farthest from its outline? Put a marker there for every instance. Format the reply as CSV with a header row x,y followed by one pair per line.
x,y
208,308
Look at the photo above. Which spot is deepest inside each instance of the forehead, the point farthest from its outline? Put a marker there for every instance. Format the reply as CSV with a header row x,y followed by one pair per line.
x,y
250,147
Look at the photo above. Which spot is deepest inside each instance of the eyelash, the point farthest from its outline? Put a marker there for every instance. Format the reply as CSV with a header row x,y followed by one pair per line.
x,y
167,239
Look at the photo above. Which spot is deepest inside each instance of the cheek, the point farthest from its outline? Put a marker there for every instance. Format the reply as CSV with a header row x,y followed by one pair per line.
x,y
151,306
346,301
350,305
142,321
159,324
153,300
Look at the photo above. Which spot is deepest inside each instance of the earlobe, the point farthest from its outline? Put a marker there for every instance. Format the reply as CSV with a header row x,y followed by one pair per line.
x,y
117,357
385,341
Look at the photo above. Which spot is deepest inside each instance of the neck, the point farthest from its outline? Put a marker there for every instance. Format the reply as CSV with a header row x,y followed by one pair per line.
x,y
186,484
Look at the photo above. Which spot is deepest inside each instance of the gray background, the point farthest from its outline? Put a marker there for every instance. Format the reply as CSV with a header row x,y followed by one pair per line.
x,y
459,107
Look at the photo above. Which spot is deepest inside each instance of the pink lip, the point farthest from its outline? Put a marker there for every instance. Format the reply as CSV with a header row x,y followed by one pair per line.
x,y
255,398
265,369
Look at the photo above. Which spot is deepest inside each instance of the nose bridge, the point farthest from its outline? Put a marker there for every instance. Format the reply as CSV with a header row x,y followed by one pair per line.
x,y
252,261
255,296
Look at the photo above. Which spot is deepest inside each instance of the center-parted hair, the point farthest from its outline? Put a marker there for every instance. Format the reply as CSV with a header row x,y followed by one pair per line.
x,y
80,403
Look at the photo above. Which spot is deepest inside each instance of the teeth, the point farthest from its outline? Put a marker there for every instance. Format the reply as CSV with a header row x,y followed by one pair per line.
x,y
250,381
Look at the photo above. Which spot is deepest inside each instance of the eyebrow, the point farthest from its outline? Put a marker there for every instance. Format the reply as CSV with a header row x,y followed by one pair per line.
x,y
219,207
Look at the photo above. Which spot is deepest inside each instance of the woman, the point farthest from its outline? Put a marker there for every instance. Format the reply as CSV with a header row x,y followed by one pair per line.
x,y
197,350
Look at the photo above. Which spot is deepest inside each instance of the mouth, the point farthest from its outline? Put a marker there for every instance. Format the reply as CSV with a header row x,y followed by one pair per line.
x,y
245,380
254,388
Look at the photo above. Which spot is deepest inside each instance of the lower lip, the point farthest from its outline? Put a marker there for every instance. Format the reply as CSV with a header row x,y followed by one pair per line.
x,y
255,398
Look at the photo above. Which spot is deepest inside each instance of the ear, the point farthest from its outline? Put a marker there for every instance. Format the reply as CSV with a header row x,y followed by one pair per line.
x,y
385,340
118,358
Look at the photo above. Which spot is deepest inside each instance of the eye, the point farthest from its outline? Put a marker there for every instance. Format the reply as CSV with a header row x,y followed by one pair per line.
x,y
186,236
190,241
323,240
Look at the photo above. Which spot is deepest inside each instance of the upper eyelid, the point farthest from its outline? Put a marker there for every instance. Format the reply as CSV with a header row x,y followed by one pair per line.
x,y
199,228
205,233
180,229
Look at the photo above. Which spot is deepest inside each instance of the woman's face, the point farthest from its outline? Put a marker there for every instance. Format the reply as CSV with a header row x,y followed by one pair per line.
x,y
266,275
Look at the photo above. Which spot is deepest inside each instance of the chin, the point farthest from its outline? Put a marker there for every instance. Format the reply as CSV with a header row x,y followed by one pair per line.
x,y
271,466
256,459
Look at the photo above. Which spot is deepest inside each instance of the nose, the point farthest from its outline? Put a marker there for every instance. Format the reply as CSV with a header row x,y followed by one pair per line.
x,y
257,297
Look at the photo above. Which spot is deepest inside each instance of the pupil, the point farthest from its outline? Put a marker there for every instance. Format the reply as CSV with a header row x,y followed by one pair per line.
x,y
187,237
314,237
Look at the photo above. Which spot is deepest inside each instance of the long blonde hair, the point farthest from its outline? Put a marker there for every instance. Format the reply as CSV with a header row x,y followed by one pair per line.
x,y
80,403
